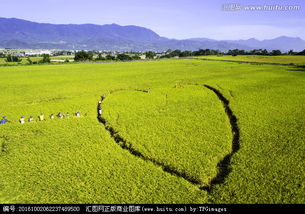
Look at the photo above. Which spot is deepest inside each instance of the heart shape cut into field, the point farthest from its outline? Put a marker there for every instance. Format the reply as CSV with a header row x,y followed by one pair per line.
x,y
186,128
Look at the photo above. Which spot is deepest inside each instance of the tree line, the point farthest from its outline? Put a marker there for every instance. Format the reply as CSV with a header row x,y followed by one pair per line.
x,y
89,55
13,58
234,52
84,55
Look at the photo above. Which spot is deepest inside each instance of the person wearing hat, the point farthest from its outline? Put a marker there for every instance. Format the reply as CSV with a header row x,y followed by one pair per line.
x,y
41,117
100,111
60,115
31,119
3,120
22,120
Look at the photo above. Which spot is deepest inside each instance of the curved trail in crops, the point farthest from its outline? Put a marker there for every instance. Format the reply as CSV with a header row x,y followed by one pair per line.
x,y
223,165
128,146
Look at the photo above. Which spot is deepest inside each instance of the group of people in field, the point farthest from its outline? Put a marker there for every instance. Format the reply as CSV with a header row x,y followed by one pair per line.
x,y
41,117
60,115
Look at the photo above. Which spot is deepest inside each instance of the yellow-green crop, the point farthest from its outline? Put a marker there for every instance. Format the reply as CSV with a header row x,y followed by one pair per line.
x,y
76,160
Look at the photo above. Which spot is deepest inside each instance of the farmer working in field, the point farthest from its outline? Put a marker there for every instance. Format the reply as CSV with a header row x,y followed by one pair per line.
x,y
52,116
100,111
77,114
41,117
3,120
60,115
31,119
22,120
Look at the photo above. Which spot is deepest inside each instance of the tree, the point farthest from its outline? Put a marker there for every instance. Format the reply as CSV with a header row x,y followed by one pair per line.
x,y
276,52
185,53
202,52
236,52
265,52
83,55
150,54
45,58
301,53
123,57
176,53
136,57
100,57
29,60
10,58
291,52
110,57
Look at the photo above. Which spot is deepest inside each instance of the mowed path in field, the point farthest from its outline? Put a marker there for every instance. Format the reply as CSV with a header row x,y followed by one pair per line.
x,y
222,165
76,161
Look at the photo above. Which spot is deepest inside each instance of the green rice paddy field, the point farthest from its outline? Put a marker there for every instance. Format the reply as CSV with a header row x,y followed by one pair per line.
x,y
283,59
171,145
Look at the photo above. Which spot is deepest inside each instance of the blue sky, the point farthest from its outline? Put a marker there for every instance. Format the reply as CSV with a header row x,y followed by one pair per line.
x,y
170,18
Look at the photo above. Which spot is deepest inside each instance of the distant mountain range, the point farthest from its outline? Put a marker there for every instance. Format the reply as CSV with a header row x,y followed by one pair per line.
x,y
18,33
